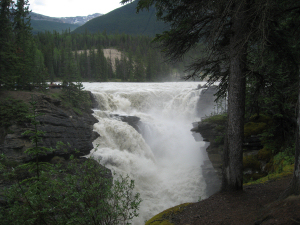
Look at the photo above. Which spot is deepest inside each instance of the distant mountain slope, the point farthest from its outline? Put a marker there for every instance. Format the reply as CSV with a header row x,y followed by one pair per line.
x,y
125,20
79,20
43,25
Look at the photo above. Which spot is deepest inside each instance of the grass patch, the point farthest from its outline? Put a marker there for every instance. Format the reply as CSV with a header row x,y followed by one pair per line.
x,y
287,170
164,217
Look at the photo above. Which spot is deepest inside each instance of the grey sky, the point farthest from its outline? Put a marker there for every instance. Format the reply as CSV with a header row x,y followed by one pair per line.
x,y
69,8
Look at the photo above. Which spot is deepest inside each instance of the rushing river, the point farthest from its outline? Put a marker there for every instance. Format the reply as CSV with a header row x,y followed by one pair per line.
x,y
164,159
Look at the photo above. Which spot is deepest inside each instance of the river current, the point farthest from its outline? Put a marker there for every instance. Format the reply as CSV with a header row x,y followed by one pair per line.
x,y
164,159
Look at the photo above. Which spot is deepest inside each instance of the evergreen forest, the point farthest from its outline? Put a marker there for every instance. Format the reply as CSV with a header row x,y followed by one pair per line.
x,y
74,57
27,60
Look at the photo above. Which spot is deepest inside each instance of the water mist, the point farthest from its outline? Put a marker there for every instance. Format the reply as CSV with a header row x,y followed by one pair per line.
x,y
163,159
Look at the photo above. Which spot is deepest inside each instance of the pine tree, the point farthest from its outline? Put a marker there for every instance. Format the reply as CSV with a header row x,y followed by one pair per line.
x,y
7,51
23,40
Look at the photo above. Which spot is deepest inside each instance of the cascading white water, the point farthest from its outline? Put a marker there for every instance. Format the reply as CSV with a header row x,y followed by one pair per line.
x,y
165,160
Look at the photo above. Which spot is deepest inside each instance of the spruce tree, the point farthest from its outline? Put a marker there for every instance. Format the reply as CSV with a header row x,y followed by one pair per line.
x,y
23,40
7,49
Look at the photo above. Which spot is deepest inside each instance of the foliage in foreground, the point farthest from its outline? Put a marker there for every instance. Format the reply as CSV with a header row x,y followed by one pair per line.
x,y
80,192
12,110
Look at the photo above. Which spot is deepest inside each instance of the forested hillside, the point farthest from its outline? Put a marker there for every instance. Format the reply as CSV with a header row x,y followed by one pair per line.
x,y
81,56
126,20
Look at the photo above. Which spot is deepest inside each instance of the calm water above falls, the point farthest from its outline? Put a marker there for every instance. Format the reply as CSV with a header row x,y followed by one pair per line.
x,y
165,160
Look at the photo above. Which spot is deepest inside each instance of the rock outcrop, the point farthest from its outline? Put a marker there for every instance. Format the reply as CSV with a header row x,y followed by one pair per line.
x,y
60,124
255,157
212,166
206,104
131,120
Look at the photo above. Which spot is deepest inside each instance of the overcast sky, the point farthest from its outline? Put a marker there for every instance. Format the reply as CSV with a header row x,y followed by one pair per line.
x,y
70,8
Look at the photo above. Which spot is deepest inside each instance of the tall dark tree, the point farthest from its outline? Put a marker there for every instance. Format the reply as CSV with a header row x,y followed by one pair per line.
x,y
7,53
23,43
233,152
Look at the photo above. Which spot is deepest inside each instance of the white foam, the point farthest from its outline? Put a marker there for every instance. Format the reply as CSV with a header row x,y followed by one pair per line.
x,y
165,161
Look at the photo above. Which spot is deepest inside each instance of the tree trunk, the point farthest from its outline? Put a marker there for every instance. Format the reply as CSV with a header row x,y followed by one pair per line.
x,y
233,152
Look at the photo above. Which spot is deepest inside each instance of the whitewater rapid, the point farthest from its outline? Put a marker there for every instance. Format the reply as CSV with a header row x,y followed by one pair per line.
x,y
164,159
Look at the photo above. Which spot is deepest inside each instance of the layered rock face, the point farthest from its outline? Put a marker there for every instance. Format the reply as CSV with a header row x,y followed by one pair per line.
x,y
211,167
209,133
60,124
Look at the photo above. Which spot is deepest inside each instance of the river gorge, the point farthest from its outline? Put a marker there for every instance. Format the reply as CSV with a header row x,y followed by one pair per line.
x,y
154,146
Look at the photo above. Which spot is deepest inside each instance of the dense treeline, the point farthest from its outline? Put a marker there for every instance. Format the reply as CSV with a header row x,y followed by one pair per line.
x,y
81,55
21,63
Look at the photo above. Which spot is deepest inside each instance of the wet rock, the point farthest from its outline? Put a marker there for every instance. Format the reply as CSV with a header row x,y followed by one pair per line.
x,y
212,178
212,168
131,120
95,104
205,104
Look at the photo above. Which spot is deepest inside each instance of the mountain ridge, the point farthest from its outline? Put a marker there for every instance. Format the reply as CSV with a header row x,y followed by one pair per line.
x,y
125,20
41,23
79,20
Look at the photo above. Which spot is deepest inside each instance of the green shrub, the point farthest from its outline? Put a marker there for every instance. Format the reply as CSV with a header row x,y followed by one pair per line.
x,y
81,193
262,118
283,159
251,161
217,119
252,128
12,110
265,154
219,140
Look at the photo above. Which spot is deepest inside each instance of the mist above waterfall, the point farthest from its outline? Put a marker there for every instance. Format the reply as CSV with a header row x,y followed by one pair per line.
x,y
164,159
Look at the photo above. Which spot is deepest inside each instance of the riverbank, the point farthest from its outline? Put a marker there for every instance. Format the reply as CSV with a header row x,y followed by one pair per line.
x,y
256,204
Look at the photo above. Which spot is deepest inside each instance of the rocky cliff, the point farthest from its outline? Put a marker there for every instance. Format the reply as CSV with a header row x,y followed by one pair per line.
x,y
211,168
206,104
60,124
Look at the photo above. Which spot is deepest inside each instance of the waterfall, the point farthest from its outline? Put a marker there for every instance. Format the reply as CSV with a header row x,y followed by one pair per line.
x,y
163,158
